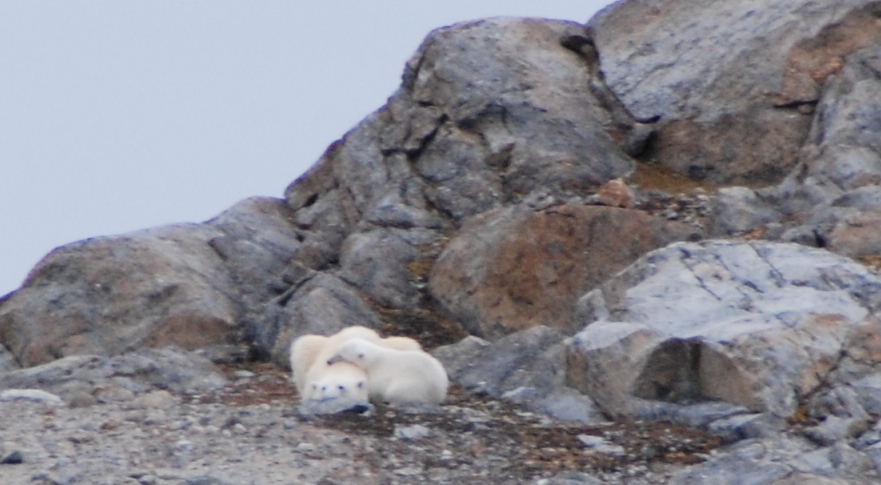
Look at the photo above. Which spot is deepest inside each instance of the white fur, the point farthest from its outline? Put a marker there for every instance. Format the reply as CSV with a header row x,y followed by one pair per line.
x,y
316,379
396,376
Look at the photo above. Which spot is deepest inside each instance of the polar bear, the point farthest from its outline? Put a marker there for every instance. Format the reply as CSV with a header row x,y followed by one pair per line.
x,y
315,379
393,375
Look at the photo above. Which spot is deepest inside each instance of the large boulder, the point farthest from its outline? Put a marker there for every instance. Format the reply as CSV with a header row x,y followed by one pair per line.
x,y
734,83
756,324
518,267
187,285
488,111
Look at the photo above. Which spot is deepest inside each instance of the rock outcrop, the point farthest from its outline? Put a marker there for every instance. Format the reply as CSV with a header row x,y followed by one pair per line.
x,y
734,85
532,204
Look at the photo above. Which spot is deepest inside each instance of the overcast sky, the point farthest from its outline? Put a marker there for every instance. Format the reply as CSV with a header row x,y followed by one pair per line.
x,y
122,115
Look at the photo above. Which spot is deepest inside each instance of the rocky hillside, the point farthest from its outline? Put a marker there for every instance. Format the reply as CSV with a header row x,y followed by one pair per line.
x,y
665,216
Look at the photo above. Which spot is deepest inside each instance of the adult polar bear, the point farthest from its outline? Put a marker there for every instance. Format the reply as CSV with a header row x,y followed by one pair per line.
x,y
314,378
394,375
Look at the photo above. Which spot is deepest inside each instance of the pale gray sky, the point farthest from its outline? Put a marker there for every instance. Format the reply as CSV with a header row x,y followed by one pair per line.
x,y
116,116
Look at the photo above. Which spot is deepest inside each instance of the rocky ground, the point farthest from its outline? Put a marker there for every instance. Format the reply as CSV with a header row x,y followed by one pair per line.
x,y
250,432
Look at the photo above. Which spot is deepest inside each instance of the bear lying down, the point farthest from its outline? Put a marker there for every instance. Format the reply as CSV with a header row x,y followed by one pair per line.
x,y
393,369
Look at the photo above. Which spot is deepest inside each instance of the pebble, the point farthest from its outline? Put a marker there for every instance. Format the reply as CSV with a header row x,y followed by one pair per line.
x,y
601,445
306,447
156,400
414,432
14,458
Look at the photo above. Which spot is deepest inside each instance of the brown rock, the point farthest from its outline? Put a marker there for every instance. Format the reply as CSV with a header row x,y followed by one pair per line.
x,y
187,285
515,268
110,295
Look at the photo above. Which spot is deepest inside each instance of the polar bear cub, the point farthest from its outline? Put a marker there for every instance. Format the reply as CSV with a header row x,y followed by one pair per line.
x,y
315,379
394,375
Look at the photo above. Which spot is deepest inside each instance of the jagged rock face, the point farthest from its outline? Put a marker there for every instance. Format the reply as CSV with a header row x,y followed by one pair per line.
x,y
487,113
515,268
734,83
760,325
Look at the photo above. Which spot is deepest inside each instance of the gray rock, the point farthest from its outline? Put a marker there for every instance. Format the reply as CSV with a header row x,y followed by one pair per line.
x,y
833,430
757,462
868,391
154,400
600,445
170,369
320,304
13,458
411,433
530,359
567,404
530,99
844,145
570,478
313,407
487,110
205,480
377,262
739,210
525,367
747,426
186,285
841,401
849,460
32,395
834,190
874,454
750,323
733,84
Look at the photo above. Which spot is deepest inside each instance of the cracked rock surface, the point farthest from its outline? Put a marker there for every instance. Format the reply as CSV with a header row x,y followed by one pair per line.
x,y
756,324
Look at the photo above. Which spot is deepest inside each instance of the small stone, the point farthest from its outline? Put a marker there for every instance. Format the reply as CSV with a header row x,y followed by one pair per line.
x,y
670,214
243,374
148,479
306,447
600,445
616,193
414,432
114,394
408,471
14,458
82,399
156,400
